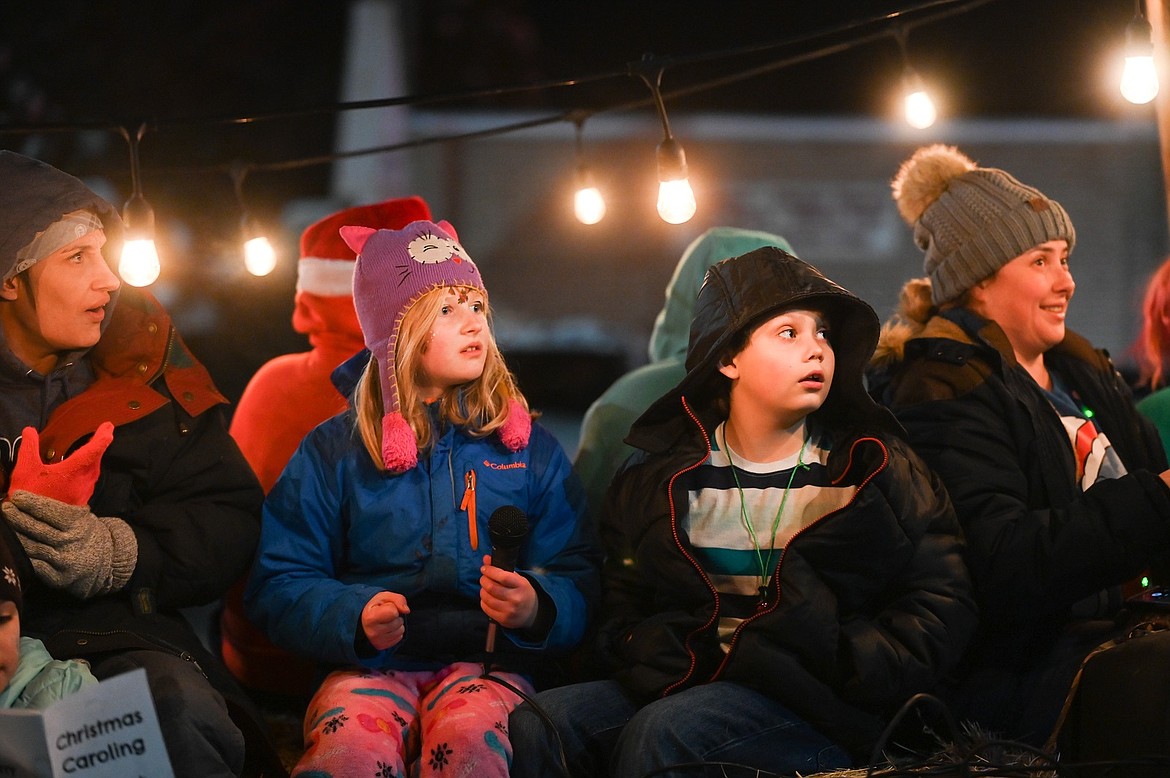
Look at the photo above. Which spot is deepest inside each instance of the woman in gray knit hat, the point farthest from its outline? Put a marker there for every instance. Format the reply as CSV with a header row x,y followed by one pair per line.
x,y
1061,487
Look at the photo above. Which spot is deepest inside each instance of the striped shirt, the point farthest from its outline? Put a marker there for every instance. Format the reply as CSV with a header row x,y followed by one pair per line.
x,y
715,519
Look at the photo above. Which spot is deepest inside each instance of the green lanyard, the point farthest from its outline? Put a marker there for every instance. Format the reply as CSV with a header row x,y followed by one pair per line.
x,y
764,567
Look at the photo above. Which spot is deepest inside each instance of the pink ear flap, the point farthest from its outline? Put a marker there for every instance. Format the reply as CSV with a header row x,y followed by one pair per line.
x,y
517,429
445,225
355,237
399,445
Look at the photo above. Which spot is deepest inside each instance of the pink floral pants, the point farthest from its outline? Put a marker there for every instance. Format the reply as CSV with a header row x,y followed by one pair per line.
x,y
449,722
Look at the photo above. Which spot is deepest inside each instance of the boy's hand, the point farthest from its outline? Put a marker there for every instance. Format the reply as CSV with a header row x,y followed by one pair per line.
x,y
383,619
506,597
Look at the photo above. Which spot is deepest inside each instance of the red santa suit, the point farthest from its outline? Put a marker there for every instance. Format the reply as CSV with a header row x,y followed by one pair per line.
x,y
291,394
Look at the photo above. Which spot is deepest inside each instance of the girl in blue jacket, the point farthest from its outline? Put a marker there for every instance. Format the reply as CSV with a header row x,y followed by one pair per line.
x,y
375,550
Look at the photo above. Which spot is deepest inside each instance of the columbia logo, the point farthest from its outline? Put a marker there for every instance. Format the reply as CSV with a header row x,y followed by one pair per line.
x,y
505,466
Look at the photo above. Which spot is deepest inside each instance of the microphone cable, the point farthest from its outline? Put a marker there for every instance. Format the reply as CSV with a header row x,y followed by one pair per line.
x,y
544,717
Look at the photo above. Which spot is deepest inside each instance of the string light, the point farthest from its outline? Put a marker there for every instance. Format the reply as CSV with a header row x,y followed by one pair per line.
x,y
259,255
588,203
139,265
676,199
1139,80
919,108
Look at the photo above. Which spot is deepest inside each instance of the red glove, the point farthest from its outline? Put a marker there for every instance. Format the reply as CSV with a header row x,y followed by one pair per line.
x,y
69,481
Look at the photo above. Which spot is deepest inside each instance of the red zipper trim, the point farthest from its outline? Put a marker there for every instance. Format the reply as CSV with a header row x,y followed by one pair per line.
x,y
694,562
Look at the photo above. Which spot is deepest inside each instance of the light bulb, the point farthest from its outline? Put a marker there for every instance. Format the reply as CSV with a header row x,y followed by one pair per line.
x,y
920,111
259,256
676,201
1139,81
139,265
589,205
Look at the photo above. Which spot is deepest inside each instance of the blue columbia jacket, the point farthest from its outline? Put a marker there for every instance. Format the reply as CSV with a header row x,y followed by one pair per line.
x,y
336,531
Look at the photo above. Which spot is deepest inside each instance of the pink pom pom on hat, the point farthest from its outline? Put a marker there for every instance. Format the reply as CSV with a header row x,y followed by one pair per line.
x,y
394,269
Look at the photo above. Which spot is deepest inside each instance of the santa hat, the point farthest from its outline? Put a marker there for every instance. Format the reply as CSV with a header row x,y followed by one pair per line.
x,y
394,269
326,264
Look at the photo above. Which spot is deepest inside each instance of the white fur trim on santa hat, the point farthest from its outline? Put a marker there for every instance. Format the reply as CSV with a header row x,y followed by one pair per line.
x,y
325,277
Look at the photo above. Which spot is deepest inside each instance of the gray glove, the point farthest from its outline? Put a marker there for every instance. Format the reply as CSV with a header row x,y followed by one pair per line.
x,y
69,547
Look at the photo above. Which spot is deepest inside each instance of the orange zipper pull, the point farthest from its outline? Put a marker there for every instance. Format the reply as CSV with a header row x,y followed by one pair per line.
x,y
469,506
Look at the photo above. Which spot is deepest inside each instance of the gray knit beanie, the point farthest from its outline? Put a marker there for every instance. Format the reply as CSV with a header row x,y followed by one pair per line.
x,y
971,221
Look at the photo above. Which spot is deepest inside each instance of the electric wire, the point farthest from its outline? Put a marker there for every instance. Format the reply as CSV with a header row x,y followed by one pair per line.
x,y
925,12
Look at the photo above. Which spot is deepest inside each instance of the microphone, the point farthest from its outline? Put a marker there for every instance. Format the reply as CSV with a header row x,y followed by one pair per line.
x,y
507,528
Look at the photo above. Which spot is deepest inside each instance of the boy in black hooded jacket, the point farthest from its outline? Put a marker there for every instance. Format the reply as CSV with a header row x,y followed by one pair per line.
x,y
782,571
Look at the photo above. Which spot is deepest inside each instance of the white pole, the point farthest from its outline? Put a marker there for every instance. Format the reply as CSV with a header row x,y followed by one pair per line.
x,y
373,69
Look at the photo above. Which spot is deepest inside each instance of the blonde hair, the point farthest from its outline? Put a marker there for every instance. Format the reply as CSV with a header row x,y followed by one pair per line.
x,y
480,406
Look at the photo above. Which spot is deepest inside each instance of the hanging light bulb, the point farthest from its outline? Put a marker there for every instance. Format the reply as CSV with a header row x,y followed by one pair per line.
x,y
259,255
676,199
139,265
919,108
1139,80
588,204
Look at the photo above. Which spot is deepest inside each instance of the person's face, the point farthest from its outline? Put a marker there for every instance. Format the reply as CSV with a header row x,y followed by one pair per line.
x,y
1028,298
9,641
59,303
457,348
785,370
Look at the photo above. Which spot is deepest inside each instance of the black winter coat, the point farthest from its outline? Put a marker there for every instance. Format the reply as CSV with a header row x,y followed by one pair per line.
x,y
172,473
867,606
1036,544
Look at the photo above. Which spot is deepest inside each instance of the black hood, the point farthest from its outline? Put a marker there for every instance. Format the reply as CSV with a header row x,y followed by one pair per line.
x,y
742,292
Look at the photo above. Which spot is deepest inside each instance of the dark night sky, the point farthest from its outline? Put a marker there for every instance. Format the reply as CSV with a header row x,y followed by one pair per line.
x,y
182,62
171,59
177,64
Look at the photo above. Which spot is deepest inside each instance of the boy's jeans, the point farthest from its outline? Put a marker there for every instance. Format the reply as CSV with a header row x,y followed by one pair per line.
x,y
604,733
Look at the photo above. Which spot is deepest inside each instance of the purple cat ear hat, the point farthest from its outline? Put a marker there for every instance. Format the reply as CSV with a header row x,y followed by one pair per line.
x,y
394,269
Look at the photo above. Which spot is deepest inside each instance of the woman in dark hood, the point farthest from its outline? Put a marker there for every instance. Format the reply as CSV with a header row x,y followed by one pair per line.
x,y
153,509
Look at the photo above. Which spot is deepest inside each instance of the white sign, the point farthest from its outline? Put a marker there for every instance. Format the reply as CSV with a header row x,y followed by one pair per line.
x,y
108,730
